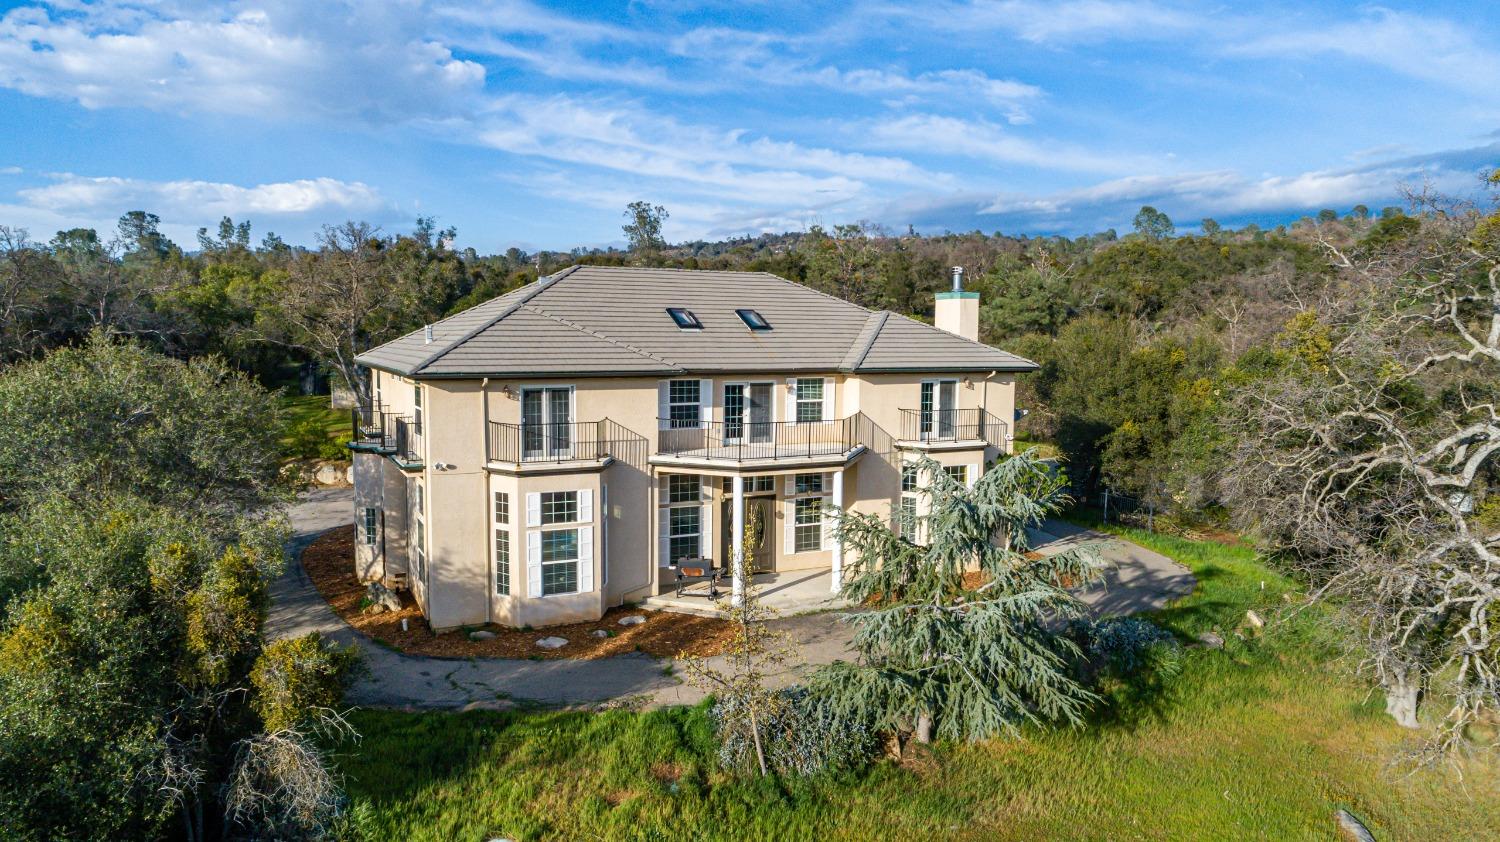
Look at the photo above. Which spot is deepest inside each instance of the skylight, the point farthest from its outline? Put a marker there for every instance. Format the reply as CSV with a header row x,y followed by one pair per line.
x,y
684,318
753,320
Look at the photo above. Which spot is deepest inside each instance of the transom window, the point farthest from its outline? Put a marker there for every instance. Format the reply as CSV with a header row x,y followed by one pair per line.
x,y
753,485
502,507
683,399
684,318
753,320
808,484
559,507
809,399
683,488
559,561
807,529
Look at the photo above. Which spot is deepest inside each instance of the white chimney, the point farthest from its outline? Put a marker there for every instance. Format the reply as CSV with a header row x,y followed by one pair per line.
x,y
957,311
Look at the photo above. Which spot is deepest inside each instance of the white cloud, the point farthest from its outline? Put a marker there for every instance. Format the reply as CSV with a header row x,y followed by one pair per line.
x,y
280,59
982,140
1067,22
11,171
200,200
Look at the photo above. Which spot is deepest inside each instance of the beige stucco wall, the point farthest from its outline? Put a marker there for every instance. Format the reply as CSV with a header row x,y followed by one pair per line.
x,y
459,585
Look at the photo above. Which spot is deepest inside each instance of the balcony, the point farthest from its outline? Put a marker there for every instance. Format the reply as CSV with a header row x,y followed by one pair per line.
x,y
386,433
950,428
764,443
553,444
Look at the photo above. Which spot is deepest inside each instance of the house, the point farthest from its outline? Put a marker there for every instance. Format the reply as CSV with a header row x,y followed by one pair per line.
x,y
556,451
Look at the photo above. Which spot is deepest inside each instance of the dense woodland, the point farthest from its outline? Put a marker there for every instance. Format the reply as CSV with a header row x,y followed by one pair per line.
x,y
1134,333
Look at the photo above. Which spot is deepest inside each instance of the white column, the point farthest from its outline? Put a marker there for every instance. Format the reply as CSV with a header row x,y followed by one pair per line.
x,y
738,539
838,543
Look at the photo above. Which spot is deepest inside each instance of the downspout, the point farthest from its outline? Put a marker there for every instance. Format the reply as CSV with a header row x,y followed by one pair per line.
x,y
984,401
484,499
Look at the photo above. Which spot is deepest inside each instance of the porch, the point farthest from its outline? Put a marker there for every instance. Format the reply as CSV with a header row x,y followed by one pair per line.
x,y
790,593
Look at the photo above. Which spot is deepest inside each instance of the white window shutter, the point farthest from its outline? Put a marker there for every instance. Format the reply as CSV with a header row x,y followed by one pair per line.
x,y
790,533
705,534
827,399
791,484
971,473
705,402
533,509
604,534
663,541
662,409
586,505
585,559
791,399
533,563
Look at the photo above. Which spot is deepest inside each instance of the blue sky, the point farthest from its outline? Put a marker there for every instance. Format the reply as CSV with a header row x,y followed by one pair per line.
x,y
533,124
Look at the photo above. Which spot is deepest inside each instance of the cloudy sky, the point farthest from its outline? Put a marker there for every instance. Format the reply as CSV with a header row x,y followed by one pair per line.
x,y
533,124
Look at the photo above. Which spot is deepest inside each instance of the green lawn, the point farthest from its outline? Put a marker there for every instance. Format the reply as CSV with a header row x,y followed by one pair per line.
x,y
313,429
1260,741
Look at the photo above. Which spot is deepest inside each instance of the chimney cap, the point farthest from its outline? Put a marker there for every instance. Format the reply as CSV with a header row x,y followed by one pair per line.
x,y
958,279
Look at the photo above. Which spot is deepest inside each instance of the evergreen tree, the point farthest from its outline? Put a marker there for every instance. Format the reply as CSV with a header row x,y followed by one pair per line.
x,y
960,638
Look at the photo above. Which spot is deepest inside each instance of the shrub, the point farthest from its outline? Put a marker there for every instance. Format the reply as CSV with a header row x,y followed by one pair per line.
x,y
1124,646
803,737
297,679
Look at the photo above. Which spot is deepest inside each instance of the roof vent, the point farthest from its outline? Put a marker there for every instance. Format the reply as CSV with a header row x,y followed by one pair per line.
x,y
958,279
427,335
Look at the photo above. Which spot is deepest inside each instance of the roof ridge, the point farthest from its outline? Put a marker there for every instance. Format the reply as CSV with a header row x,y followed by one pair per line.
x,y
542,284
594,333
874,324
984,345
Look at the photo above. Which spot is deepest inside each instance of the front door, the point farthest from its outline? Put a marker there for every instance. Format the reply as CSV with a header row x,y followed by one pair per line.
x,y
758,514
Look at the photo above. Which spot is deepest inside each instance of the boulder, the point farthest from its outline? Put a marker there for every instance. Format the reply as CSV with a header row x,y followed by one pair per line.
x,y
633,620
1254,620
481,635
599,633
1351,828
382,596
1209,640
349,475
552,642
327,473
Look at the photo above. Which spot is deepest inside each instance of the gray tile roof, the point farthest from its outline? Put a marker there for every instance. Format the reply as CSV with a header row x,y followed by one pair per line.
x,y
606,320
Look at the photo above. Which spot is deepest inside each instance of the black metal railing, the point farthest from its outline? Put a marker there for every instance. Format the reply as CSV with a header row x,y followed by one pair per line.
x,y
562,442
952,425
373,427
741,440
408,441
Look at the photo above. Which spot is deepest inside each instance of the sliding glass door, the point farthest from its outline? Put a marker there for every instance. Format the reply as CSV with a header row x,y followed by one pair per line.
x,y
547,423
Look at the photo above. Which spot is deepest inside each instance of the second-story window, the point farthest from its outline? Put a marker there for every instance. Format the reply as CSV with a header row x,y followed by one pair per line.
x,y
684,399
416,412
808,399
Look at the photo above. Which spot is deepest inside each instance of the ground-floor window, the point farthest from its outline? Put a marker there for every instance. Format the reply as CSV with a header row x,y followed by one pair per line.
x,y
559,561
369,523
684,531
906,518
959,473
807,531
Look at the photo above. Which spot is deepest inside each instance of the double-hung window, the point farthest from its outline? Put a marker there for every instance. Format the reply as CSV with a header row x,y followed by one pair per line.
x,y
559,544
906,518
684,517
502,543
808,509
808,400
959,473
684,400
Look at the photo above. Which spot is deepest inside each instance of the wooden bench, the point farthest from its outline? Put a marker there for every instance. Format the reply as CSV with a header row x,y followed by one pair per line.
x,y
694,569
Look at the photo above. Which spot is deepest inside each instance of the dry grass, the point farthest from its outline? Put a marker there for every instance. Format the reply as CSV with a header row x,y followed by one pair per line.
x,y
329,562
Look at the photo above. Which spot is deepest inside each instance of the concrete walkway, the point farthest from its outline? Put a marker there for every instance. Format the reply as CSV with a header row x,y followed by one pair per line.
x,y
1141,580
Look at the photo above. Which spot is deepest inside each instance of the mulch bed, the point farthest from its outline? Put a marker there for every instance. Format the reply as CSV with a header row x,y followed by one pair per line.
x,y
329,562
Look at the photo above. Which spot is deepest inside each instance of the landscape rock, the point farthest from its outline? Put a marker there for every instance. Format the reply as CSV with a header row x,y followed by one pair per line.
x,y
481,635
599,633
634,620
1352,829
1255,620
552,642
327,474
1209,640
382,596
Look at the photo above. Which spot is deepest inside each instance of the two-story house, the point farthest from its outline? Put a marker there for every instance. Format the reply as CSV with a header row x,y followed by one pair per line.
x,y
551,453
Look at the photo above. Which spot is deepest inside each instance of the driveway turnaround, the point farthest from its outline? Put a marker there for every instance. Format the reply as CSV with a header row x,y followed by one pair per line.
x,y
1140,580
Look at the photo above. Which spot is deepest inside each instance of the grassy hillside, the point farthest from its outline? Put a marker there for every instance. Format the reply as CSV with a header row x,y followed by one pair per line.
x,y
1261,740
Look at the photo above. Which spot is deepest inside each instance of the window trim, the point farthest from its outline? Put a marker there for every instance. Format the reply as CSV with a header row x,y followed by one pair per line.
x,y
370,522
504,555
818,503
575,561
753,319
798,400
684,423
684,318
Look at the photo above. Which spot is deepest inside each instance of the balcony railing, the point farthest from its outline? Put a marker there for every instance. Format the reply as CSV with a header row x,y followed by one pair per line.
x,y
563,442
940,425
373,427
744,440
408,443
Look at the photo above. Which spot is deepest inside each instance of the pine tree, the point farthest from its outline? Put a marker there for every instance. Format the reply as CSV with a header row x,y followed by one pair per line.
x,y
962,634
